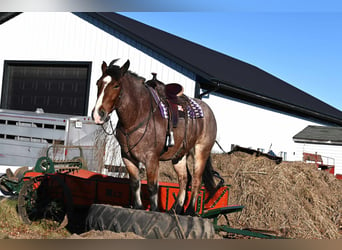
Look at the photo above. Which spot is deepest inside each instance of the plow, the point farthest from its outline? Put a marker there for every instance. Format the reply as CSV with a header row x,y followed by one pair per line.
x,y
59,190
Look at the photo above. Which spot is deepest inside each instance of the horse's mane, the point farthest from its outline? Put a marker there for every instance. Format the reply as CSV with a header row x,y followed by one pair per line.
x,y
136,75
114,71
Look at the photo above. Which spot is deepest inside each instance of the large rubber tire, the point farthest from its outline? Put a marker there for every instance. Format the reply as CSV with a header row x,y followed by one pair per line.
x,y
150,225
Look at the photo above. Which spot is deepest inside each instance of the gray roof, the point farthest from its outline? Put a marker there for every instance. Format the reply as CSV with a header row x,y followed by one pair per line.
x,y
320,135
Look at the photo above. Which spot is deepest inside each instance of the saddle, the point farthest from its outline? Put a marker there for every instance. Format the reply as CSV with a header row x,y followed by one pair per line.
x,y
172,97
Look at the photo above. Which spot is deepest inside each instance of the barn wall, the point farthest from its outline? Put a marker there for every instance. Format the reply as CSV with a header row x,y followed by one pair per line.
x,y
67,37
48,36
77,37
251,126
332,151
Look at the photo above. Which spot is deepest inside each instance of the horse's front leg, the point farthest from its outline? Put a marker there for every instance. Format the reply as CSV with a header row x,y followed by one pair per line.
x,y
135,183
152,174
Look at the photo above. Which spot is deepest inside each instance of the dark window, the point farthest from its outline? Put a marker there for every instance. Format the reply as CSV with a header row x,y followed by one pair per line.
x,y
56,87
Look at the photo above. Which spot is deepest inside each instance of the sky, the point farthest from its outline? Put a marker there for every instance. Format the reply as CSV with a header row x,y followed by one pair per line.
x,y
303,48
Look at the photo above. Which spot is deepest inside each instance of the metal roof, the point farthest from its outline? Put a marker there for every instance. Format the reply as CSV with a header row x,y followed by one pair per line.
x,y
5,16
320,134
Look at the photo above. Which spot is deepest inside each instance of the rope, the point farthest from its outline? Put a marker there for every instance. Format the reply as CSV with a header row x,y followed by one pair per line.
x,y
111,125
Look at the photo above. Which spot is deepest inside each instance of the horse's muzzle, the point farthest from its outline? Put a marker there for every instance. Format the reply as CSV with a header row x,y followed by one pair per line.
x,y
100,116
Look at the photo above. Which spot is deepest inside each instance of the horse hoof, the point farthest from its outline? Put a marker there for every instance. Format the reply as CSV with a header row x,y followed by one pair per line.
x,y
138,207
154,209
176,209
191,212
172,211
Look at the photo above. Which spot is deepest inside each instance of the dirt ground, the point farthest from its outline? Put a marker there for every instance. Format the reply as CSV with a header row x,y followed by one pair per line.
x,y
105,235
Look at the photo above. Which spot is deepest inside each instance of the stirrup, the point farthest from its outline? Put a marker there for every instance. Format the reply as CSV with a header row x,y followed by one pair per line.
x,y
170,140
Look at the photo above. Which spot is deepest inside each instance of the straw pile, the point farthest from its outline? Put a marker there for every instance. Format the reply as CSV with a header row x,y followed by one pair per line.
x,y
293,199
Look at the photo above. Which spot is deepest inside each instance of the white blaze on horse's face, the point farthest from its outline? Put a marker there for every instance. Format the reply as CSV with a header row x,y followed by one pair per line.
x,y
97,117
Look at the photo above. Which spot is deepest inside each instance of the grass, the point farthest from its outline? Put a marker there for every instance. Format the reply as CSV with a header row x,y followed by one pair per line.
x,y
11,226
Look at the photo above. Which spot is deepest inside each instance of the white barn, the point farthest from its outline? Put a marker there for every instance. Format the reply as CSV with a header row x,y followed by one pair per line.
x,y
252,107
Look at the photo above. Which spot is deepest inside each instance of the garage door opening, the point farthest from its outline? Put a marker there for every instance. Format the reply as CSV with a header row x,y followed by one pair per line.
x,y
56,87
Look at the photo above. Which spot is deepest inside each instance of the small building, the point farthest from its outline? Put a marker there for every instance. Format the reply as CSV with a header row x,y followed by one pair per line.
x,y
324,141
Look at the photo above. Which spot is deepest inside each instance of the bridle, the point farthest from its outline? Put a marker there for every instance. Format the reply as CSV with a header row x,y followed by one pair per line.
x,y
127,134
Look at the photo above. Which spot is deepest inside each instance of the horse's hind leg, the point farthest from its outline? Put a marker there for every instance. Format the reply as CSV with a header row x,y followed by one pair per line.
x,y
135,183
180,168
201,156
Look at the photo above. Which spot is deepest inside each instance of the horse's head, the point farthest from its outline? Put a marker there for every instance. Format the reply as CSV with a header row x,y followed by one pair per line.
x,y
108,90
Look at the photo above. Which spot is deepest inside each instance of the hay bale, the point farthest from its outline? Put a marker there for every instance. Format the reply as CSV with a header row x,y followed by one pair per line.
x,y
292,198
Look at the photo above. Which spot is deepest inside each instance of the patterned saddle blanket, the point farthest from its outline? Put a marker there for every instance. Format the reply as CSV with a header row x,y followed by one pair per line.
x,y
193,109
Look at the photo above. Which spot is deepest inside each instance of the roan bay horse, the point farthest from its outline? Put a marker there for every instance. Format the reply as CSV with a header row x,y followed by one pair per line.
x,y
142,131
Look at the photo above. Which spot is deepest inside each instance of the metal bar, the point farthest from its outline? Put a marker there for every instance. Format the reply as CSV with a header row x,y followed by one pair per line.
x,y
217,87
220,211
244,232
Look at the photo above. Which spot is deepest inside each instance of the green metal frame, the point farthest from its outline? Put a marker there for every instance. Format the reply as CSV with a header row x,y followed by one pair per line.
x,y
12,186
216,213
46,165
244,232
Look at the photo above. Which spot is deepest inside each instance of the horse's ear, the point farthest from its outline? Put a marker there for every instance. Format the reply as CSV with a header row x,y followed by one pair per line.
x,y
124,68
104,67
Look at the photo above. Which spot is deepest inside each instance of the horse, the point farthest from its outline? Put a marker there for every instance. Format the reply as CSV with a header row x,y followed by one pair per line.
x,y
142,133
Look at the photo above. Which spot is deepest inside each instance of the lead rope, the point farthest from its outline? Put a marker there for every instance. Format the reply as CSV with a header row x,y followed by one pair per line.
x,y
111,126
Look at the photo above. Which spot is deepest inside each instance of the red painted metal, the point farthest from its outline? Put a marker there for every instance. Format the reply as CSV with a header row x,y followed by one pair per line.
x,y
318,160
339,176
88,187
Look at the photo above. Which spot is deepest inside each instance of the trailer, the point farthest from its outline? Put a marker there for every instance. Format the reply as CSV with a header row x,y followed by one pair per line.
x,y
25,136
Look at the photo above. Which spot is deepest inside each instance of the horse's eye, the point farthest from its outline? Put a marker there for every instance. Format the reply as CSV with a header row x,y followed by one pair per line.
x,y
116,86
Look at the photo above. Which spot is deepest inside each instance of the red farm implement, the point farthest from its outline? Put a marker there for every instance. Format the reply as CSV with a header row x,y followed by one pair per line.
x,y
105,203
322,162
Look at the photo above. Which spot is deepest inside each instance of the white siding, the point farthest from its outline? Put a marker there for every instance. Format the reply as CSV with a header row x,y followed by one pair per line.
x,y
251,126
67,37
48,36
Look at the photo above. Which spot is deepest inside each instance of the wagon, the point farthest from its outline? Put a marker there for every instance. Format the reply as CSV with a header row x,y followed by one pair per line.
x,y
102,202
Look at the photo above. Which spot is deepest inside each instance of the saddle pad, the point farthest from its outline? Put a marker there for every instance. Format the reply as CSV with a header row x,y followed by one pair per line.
x,y
194,110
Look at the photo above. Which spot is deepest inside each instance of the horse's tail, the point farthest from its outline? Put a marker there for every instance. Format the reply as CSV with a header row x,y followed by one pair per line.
x,y
209,181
